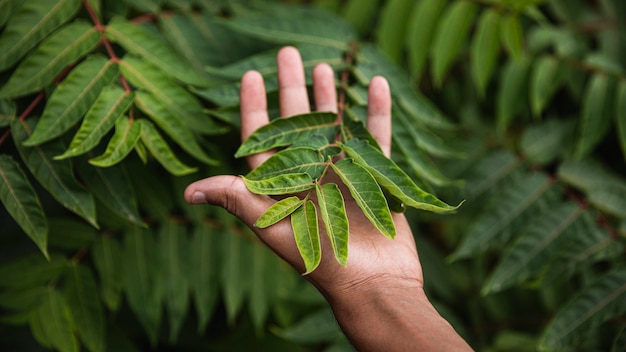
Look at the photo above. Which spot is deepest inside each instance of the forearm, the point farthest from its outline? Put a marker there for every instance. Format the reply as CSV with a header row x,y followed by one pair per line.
x,y
386,318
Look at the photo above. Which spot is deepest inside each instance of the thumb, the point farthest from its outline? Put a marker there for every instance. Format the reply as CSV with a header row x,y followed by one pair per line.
x,y
230,193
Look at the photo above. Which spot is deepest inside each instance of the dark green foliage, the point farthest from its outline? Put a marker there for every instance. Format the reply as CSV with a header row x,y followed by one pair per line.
x,y
109,108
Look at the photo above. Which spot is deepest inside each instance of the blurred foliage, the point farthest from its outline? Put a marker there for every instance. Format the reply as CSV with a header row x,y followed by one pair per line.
x,y
108,109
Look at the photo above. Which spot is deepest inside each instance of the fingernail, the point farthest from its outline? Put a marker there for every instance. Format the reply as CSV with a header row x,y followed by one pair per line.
x,y
198,198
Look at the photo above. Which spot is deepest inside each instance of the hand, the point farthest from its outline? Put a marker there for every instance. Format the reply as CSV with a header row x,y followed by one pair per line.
x,y
378,268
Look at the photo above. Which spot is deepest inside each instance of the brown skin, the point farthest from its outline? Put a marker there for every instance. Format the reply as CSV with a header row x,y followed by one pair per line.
x,y
378,298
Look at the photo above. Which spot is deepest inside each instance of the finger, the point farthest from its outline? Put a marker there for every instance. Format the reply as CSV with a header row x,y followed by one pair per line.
x,y
324,91
230,193
379,113
291,83
253,110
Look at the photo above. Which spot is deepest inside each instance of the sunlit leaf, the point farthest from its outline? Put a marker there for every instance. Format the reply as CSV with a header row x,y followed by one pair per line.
x,y
33,21
73,97
81,294
451,33
110,106
595,304
290,161
333,213
367,194
285,131
281,184
175,128
596,116
420,33
21,201
157,146
61,49
485,48
142,42
56,176
127,133
278,211
306,233
512,36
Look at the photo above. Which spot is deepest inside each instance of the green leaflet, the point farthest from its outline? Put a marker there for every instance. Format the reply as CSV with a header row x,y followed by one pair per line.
x,y
306,233
73,97
7,112
367,194
52,322
513,84
611,200
453,28
534,247
108,260
21,201
595,304
360,14
596,114
280,184
237,254
179,101
290,161
485,49
112,187
543,143
301,26
87,313
545,79
7,7
142,42
32,270
204,253
126,135
34,20
173,245
157,146
110,105
391,27
355,129
175,128
70,234
512,36
620,115
392,178
320,144
57,177
420,33
285,131
333,213
278,211
143,287
58,51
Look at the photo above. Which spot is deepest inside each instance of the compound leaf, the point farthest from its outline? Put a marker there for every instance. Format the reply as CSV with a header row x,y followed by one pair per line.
x,y
367,194
21,201
285,131
278,211
280,184
73,97
333,213
30,24
306,233
110,105
61,49
392,178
